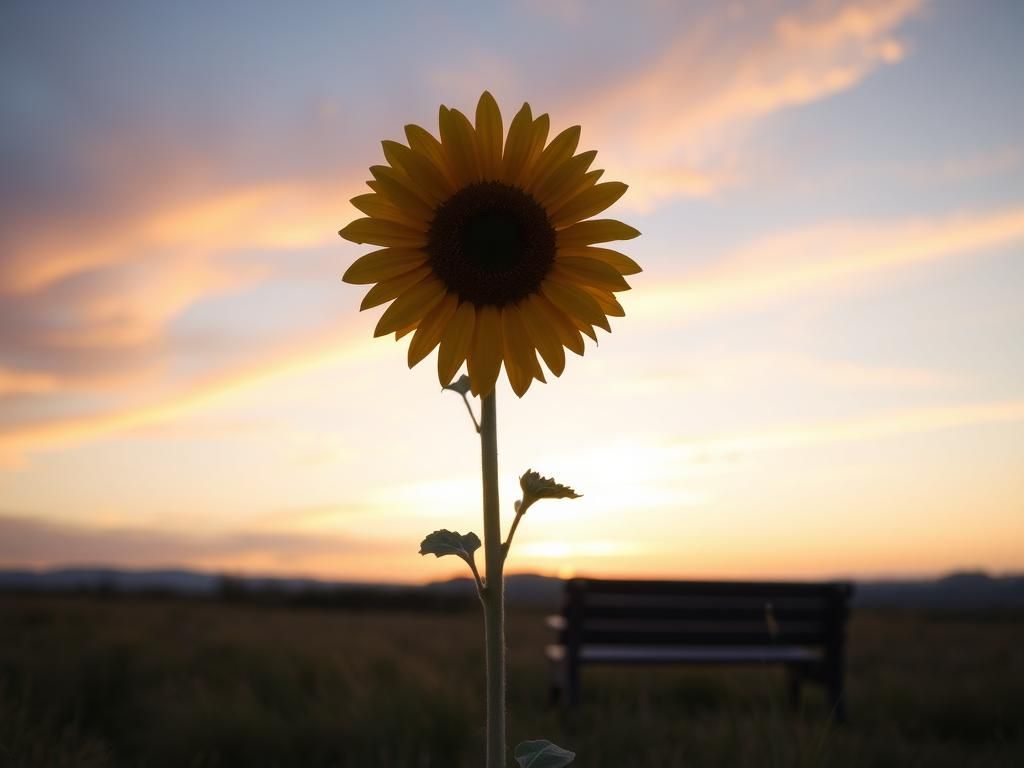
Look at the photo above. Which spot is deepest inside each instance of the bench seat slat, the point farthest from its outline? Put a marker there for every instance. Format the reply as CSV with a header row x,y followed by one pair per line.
x,y
742,625
752,612
655,654
721,637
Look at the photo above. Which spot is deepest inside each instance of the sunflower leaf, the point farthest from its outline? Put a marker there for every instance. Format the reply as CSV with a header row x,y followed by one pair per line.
x,y
460,385
445,542
541,753
536,487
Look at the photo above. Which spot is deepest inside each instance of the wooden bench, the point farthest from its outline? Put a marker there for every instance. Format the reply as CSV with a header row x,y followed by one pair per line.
x,y
798,625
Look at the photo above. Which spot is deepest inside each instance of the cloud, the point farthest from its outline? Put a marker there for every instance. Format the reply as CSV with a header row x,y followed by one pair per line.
x,y
26,542
281,215
90,308
23,382
896,423
763,272
828,257
723,372
673,128
169,404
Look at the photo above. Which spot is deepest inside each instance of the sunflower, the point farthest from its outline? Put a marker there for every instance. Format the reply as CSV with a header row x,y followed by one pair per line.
x,y
487,248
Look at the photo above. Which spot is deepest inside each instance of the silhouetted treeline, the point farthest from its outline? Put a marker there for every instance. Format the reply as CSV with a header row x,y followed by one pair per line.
x,y
371,598
961,592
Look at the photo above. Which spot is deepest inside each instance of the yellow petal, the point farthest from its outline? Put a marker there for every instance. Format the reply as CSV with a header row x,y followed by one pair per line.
x,y
582,326
376,206
393,152
431,328
541,127
485,355
400,190
381,232
518,347
608,303
489,134
539,136
455,342
557,152
566,176
555,318
382,265
429,183
411,306
517,377
543,336
406,330
562,196
423,141
575,302
386,290
517,145
594,231
459,145
589,203
584,272
619,261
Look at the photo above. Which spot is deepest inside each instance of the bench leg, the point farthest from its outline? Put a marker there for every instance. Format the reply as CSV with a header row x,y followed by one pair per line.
x,y
572,679
838,698
795,679
834,685
565,682
554,695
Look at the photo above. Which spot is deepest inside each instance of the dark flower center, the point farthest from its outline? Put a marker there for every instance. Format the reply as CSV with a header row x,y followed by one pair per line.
x,y
491,243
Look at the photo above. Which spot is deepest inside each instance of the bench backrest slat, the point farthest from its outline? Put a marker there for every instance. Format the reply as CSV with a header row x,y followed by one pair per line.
x,y
606,612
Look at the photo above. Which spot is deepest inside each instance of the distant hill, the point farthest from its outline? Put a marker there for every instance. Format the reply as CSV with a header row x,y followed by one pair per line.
x,y
109,579
522,589
957,591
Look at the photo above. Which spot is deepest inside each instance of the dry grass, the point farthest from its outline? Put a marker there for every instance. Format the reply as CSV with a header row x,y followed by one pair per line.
x,y
85,682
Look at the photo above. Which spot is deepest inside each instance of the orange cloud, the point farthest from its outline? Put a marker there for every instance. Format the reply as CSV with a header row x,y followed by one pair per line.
x,y
906,421
165,406
831,256
21,383
280,215
89,307
681,116
42,543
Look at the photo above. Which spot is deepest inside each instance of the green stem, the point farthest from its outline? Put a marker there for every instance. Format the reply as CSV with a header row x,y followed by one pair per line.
x,y
512,532
480,589
471,415
494,596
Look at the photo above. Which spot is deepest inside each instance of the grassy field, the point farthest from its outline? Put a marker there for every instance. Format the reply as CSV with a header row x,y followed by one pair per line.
x,y
86,682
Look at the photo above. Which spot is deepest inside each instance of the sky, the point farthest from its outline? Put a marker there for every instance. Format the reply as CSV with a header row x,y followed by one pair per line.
x,y
820,372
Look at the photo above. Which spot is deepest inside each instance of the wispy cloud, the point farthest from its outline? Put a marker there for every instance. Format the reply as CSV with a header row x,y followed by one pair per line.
x,y
828,257
27,542
169,404
816,260
14,382
673,128
87,307
886,425
281,215
724,371
87,304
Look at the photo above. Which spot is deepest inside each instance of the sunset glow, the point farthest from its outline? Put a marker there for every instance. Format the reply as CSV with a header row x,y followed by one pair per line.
x,y
821,368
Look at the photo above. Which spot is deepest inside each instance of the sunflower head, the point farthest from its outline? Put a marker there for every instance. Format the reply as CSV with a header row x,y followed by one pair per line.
x,y
487,247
